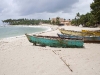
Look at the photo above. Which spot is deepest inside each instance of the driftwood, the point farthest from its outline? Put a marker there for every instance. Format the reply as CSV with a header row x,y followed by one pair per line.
x,y
66,64
54,52
63,61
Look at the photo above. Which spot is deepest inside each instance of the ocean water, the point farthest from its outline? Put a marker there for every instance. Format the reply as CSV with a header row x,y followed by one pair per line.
x,y
12,31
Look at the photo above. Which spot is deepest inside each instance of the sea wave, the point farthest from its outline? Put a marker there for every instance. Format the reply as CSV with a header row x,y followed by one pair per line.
x,y
6,34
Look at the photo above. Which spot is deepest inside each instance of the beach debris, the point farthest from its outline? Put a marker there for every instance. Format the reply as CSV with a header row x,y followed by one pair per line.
x,y
66,64
63,61
54,52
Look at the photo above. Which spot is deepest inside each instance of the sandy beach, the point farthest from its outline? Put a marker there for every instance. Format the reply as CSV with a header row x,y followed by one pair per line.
x,y
19,57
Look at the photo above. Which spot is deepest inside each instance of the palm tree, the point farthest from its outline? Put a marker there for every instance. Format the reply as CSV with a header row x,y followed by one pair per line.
x,y
57,21
77,18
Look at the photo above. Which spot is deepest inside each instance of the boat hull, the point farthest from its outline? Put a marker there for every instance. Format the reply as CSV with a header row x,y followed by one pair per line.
x,y
70,32
91,39
55,42
80,33
86,39
94,33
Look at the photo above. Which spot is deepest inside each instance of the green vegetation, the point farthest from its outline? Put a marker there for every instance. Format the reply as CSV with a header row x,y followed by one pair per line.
x,y
86,20
95,6
30,21
53,22
57,21
26,21
89,19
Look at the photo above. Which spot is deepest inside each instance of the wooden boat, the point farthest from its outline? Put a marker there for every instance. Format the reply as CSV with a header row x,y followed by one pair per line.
x,y
94,33
71,32
63,36
91,39
54,41
86,39
80,33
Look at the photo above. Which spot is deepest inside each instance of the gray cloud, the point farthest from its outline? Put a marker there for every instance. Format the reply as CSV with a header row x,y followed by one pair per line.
x,y
39,6
2,5
42,9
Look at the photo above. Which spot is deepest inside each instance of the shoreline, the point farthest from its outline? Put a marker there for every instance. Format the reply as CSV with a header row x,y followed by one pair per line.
x,y
20,57
47,29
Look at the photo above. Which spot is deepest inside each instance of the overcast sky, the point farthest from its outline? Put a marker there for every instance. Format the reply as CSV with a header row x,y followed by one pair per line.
x,y
42,9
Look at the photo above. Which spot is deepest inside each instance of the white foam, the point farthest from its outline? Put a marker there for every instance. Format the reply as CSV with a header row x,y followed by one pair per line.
x,y
47,27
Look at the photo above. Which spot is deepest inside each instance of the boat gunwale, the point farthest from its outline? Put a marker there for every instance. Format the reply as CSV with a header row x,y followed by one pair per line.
x,y
86,40
55,37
